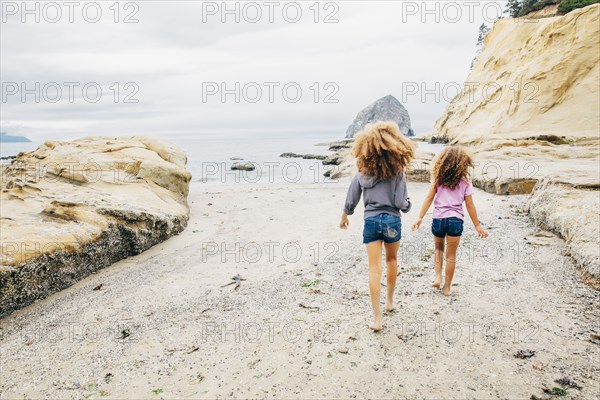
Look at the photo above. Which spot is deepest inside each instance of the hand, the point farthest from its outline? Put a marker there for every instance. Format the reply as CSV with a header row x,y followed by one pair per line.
x,y
481,232
344,222
417,224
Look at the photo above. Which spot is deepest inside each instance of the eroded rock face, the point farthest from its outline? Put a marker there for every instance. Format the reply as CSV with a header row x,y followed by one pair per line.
x,y
387,108
572,213
514,167
533,77
72,208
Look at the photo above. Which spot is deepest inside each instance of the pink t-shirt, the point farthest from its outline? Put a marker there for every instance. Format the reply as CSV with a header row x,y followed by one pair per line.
x,y
449,202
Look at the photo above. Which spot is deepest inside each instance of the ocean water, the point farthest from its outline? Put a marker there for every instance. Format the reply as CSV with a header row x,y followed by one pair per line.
x,y
12,149
209,156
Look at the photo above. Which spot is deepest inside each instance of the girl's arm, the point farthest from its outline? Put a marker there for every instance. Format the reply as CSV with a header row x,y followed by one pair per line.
x,y
344,222
473,214
352,199
425,207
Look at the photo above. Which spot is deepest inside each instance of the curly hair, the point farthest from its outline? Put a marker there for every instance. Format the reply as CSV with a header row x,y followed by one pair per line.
x,y
382,151
451,165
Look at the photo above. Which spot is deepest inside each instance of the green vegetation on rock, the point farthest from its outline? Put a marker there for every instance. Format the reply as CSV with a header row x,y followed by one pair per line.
x,y
520,8
566,6
530,6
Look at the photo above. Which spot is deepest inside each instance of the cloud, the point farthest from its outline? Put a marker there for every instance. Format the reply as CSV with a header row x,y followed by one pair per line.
x,y
171,55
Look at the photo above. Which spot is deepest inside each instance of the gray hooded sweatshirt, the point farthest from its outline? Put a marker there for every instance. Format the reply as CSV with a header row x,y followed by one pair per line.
x,y
389,196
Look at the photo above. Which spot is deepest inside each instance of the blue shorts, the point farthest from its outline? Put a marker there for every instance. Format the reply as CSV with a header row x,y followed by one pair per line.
x,y
384,227
440,227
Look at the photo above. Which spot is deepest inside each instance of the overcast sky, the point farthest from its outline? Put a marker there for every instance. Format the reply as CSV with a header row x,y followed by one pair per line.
x,y
177,57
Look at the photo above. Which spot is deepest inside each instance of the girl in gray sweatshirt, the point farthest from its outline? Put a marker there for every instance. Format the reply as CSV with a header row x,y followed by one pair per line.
x,y
379,196
382,155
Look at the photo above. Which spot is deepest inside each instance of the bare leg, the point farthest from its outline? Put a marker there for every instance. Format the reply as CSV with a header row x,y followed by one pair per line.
x,y
451,249
438,262
374,253
391,260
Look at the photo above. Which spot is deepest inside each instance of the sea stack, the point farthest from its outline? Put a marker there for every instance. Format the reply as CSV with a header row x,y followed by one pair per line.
x,y
387,108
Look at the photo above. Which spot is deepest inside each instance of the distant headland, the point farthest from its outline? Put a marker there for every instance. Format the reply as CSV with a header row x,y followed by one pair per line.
x,y
5,138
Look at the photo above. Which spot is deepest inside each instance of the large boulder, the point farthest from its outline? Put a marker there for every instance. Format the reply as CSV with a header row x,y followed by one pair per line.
x,y
72,208
387,108
573,213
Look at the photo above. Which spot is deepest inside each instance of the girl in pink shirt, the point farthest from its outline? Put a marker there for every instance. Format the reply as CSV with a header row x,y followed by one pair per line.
x,y
450,189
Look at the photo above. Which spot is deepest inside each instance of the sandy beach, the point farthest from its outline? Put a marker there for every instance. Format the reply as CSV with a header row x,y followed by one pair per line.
x,y
173,179
161,324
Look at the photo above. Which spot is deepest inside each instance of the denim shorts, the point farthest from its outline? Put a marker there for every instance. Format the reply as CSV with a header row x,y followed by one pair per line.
x,y
384,227
452,226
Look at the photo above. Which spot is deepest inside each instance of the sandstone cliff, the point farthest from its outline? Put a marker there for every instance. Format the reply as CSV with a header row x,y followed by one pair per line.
x,y
534,76
71,208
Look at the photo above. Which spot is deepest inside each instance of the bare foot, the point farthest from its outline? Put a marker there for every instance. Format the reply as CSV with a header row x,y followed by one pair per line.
x,y
389,307
438,282
377,326
447,291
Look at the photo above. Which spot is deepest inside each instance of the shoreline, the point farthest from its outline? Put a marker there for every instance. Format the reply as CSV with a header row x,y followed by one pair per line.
x,y
341,167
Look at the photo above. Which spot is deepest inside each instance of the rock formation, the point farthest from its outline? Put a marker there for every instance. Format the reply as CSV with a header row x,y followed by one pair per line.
x,y
243,166
72,208
387,108
573,214
303,156
533,77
